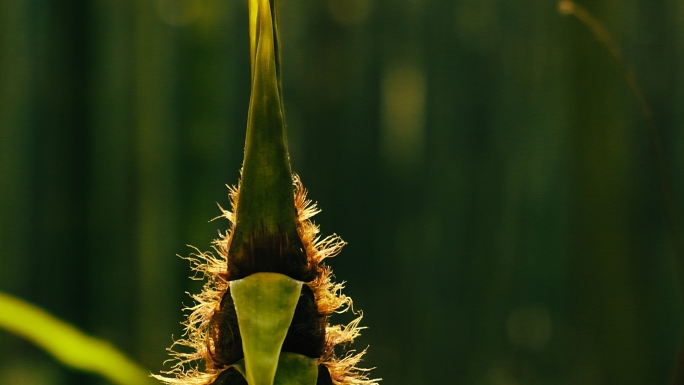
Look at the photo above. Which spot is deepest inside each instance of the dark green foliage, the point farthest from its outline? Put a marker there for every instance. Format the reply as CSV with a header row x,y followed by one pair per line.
x,y
518,237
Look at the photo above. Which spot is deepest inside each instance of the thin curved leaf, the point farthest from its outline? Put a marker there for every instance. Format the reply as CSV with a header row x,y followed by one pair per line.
x,y
67,344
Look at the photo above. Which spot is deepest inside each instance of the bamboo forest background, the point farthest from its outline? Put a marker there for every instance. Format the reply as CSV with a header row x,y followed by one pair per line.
x,y
484,159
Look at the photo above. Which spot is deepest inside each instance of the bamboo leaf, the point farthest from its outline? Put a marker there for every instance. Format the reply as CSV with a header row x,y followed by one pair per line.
x,y
265,203
265,304
67,344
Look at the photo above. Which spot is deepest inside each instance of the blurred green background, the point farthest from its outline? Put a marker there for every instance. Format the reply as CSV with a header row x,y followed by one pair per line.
x,y
484,159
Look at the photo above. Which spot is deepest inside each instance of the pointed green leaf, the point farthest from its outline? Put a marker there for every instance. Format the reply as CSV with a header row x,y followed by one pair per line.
x,y
265,202
265,304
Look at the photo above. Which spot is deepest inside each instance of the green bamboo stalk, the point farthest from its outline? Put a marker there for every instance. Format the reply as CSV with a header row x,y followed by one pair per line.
x,y
603,35
262,316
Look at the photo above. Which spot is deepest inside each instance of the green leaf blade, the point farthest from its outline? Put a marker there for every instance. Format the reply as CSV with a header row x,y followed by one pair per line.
x,y
265,204
67,344
265,304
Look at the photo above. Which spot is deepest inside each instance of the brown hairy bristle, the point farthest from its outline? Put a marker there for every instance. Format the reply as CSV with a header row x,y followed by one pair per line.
x,y
205,353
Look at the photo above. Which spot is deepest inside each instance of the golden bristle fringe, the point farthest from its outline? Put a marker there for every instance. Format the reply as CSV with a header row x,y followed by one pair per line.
x,y
186,368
